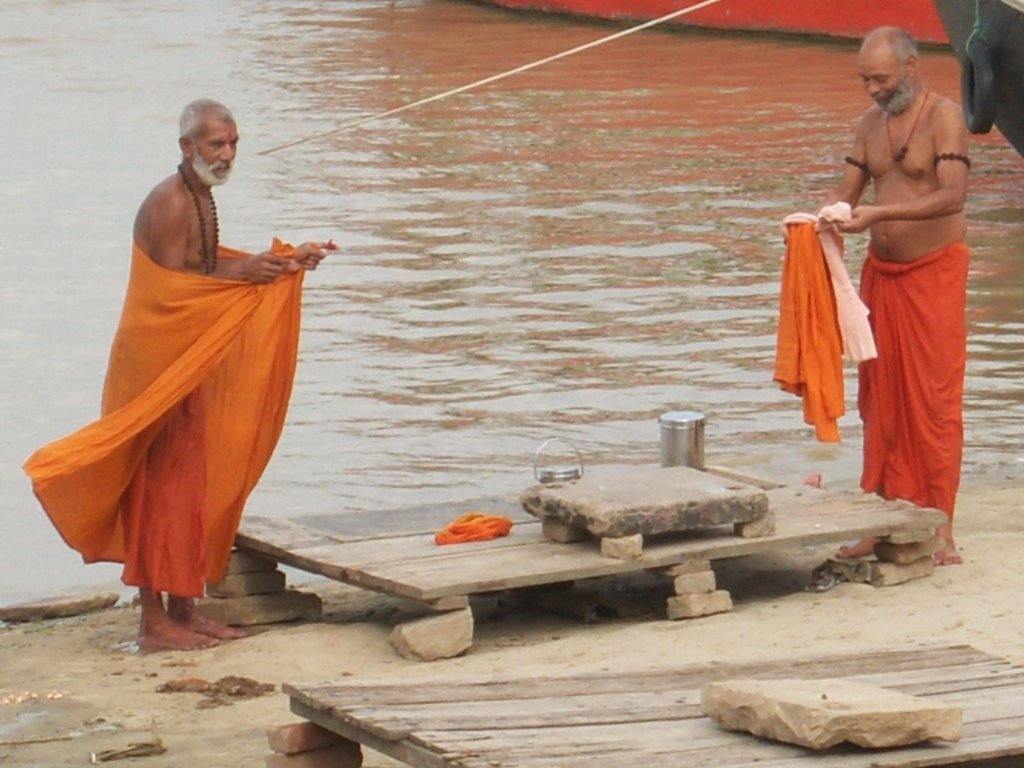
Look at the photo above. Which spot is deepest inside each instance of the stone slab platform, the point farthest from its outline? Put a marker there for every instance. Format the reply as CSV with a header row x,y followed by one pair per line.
x,y
653,718
819,714
648,501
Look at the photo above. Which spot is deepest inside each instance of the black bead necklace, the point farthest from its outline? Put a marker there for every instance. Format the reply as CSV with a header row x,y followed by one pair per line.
x,y
902,153
209,249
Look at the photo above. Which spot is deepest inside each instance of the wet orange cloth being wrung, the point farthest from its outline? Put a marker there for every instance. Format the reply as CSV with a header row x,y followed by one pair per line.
x,y
186,345
808,355
473,526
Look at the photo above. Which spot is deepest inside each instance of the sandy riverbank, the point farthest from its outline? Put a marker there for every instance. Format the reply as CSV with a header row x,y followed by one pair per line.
x,y
76,686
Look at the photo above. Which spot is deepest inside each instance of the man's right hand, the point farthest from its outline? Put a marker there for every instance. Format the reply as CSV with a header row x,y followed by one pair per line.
x,y
266,268
861,218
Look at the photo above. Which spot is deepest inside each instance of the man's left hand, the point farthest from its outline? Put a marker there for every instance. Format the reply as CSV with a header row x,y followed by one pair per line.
x,y
309,255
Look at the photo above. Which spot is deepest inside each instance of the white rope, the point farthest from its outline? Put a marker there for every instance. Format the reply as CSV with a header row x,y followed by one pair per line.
x,y
494,78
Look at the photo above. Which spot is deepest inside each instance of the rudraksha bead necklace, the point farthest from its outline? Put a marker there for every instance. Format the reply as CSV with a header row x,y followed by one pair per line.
x,y
209,250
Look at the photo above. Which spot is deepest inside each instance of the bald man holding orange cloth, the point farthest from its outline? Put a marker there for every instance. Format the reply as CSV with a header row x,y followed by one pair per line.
x,y
911,145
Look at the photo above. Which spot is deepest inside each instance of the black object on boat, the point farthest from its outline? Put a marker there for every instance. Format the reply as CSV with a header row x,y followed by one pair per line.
x,y
988,38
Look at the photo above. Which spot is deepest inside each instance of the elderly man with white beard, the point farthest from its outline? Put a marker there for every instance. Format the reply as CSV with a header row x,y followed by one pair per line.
x,y
911,145
200,374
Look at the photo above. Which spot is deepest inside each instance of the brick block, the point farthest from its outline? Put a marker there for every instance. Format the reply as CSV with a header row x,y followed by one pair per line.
x,y
910,537
561,532
348,754
241,584
692,606
242,561
756,529
623,547
301,737
289,605
701,583
907,553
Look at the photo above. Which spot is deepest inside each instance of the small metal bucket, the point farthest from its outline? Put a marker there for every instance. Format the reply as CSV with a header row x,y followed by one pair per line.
x,y
557,474
682,439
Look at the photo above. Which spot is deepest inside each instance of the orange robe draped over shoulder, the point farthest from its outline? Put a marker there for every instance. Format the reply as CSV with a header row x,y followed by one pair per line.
x,y
911,397
178,331
809,350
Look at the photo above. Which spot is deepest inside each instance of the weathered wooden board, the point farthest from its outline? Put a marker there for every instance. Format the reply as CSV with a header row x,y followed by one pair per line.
x,y
411,565
653,718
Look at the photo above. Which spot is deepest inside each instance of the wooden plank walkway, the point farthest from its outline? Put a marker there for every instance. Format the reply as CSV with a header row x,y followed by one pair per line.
x,y
653,718
395,553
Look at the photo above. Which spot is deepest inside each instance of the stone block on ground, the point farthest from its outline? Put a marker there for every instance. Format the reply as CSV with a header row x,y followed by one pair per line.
x,y
290,605
243,561
700,583
907,553
241,584
434,637
889,574
348,754
623,547
301,737
648,501
561,533
57,607
819,714
693,606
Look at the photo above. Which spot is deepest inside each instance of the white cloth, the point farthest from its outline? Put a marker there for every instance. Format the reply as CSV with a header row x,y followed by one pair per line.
x,y
858,341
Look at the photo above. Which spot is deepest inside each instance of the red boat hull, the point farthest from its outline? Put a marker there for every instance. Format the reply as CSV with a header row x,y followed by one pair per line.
x,y
833,18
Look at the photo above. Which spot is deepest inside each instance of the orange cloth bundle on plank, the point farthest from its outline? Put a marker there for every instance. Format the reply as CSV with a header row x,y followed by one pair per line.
x,y
911,397
199,361
473,526
808,355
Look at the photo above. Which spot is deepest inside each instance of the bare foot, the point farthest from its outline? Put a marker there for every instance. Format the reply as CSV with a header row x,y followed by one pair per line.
x,y
815,480
183,611
862,548
167,635
948,555
158,632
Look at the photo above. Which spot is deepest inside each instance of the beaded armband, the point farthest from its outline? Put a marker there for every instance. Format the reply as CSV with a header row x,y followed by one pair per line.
x,y
856,163
953,156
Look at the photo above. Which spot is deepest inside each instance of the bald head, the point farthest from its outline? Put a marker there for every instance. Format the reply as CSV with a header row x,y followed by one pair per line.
x,y
209,140
888,68
896,41
197,113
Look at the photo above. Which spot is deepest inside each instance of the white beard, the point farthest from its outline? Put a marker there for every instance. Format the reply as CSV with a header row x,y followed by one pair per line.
x,y
209,175
900,99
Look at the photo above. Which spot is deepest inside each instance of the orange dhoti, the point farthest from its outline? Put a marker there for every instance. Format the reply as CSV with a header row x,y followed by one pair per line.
x,y
911,396
197,389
